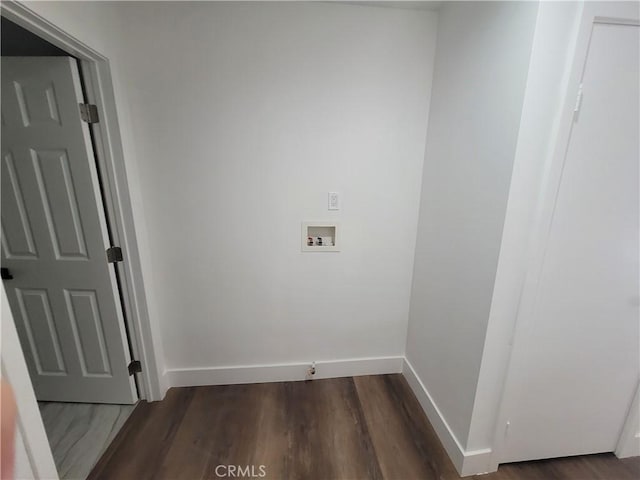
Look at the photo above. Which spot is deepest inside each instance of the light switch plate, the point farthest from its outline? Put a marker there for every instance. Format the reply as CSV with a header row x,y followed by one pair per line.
x,y
334,201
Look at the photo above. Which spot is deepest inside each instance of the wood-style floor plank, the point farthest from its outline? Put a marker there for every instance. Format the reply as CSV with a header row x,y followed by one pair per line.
x,y
216,416
400,431
604,466
271,439
328,433
148,433
369,428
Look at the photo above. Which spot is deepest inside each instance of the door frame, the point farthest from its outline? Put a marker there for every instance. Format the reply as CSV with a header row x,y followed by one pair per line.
x,y
98,87
618,13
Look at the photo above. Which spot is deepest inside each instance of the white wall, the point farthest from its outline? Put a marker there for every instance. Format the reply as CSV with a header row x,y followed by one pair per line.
x,y
481,67
240,118
244,117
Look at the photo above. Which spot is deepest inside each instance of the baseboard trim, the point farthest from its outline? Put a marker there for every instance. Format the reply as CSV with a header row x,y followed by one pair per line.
x,y
353,367
477,462
466,462
440,425
164,386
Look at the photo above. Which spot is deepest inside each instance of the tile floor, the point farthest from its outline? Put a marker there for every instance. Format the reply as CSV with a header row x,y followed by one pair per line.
x,y
80,432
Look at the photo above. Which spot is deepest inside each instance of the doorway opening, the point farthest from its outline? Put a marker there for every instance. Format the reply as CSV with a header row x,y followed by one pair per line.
x,y
67,299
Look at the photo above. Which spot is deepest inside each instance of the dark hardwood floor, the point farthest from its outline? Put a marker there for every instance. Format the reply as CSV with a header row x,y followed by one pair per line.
x,y
348,428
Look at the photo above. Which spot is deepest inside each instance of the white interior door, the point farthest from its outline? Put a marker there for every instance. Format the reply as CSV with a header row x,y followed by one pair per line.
x,y
63,293
575,365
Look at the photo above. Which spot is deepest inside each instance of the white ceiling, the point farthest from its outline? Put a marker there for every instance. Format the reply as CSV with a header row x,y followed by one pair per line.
x,y
408,5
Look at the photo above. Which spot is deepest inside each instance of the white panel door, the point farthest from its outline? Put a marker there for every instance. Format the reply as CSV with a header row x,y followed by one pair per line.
x,y
63,294
575,367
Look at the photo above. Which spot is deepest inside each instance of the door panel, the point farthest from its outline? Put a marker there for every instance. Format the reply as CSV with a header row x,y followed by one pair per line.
x,y
63,293
39,329
87,334
59,203
575,365
17,241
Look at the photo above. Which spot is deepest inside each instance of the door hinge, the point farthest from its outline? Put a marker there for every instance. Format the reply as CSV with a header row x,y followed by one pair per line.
x,y
114,254
576,109
135,367
89,113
